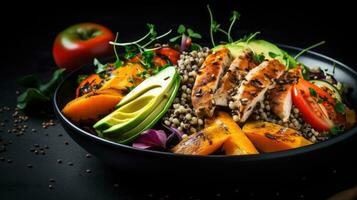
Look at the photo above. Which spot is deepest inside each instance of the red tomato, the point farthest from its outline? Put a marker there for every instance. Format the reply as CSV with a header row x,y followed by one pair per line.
x,y
80,44
318,115
158,61
172,54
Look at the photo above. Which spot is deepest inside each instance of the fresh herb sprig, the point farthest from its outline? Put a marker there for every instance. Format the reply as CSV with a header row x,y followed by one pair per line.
x,y
140,45
186,35
151,35
215,27
308,49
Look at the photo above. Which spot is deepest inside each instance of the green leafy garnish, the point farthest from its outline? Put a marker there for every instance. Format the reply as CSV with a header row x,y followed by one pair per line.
x,y
100,67
313,92
336,130
258,58
37,94
320,101
186,34
81,78
340,107
215,27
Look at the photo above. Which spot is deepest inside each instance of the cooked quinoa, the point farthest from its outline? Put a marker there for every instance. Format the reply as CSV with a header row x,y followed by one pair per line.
x,y
181,115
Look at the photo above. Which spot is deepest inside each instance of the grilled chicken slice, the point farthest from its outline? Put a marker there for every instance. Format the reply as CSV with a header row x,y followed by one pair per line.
x,y
280,96
207,81
238,69
254,87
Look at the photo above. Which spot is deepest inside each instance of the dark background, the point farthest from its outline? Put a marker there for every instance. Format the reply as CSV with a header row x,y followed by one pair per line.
x,y
28,32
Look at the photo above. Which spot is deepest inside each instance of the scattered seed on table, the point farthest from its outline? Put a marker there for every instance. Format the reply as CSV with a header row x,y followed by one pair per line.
x,y
42,152
2,148
66,143
46,147
116,185
29,166
50,186
32,149
52,180
46,134
70,163
60,135
36,145
2,159
88,155
59,161
88,171
36,152
33,130
9,161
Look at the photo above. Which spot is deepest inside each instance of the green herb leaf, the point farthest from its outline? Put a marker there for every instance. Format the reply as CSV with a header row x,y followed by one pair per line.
x,y
305,72
181,29
340,107
336,130
196,35
215,26
320,101
258,58
272,54
152,31
81,78
174,39
147,59
100,67
130,52
313,92
235,15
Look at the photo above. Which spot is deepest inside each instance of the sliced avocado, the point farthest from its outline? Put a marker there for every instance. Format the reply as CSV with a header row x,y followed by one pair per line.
x,y
150,120
130,111
269,50
160,80
135,111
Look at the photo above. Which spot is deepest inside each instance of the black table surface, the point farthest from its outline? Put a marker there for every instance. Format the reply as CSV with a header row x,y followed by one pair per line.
x,y
25,174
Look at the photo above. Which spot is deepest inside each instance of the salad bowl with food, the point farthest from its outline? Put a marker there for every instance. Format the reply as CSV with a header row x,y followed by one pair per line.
x,y
161,105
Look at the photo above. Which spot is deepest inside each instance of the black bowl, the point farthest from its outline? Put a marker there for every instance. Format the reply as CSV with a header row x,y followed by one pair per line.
x,y
127,158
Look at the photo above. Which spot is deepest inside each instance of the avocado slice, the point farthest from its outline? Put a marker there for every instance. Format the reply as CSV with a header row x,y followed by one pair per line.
x,y
150,120
139,104
269,50
159,80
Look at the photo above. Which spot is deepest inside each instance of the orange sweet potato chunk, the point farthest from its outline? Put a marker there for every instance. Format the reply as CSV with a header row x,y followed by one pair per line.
x,y
269,137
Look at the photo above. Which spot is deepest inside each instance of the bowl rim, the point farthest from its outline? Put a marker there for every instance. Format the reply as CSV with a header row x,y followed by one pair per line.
x,y
264,156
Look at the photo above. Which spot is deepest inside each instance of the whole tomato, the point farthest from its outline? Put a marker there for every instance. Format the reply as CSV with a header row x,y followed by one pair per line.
x,y
80,44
